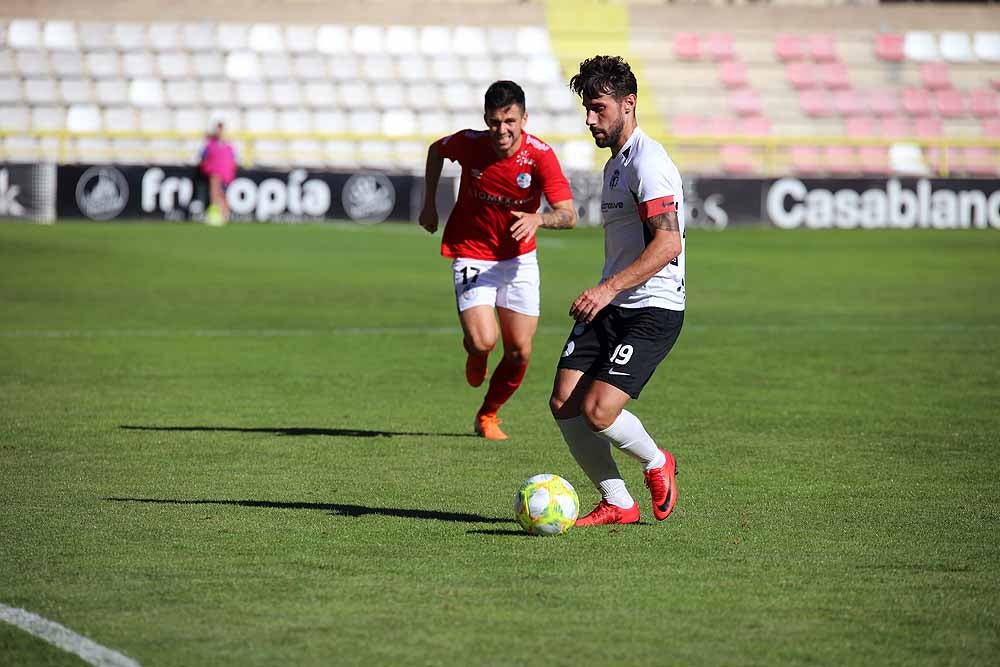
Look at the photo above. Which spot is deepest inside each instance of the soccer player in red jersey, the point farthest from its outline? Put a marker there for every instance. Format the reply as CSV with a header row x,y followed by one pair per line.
x,y
490,238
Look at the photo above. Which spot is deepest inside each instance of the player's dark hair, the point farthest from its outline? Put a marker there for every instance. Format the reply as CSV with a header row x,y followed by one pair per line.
x,y
604,75
502,94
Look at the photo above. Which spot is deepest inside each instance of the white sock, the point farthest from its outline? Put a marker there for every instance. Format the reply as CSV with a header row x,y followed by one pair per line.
x,y
628,434
593,454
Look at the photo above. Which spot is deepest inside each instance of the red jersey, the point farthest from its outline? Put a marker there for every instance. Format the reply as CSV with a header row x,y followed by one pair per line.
x,y
492,187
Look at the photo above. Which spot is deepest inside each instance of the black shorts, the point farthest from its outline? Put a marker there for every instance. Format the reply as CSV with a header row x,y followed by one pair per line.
x,y
623,346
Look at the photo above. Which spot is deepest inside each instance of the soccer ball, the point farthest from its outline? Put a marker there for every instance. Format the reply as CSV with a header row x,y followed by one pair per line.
x,y
546,505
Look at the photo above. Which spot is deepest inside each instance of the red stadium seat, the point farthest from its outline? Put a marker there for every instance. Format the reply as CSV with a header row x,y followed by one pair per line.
x,y
756,126
724,126
859,127
687,46
895,127
983,103
834,75
873,159
935,76
815,103
800,74
916,101
849,102
889,46
733,74
840,159
991,128
883,101
805,159
949,103
737,159
788,47
980,161
745,101
688,126
719,46
928,127
822,47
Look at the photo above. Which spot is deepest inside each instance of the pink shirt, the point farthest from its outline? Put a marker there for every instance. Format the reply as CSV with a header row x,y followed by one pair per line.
x,y
219,159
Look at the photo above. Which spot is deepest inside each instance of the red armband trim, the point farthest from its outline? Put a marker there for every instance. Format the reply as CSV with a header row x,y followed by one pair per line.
x,y
648,209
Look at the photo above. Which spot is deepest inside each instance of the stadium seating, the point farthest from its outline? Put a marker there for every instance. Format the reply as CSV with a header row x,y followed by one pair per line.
x,y
323,91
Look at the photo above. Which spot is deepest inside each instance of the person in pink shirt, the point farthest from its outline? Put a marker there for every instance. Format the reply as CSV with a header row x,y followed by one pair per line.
x,y
218,164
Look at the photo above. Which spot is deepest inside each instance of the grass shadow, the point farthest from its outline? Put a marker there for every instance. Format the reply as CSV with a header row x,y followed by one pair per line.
x,y
335,509
295,431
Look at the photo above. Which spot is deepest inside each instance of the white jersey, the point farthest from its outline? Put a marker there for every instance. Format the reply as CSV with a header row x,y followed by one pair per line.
x,y
640,182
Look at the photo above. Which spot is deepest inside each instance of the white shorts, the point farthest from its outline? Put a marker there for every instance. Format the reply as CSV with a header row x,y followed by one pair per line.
x,y
510,283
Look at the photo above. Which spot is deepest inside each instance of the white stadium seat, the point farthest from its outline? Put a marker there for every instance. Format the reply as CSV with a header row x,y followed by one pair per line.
x,y
275,66
447,68
83,118
286,94
434,124
424,96
329,122
435,40
266,38
334,39
541,124
532,41
130,36
174,65
190,120
300,39
270,152
309,67
956,47
120,119
14,118
319,94
182,93
164,36
364,121
412,68
544,70
156,120
103,64
340,153
577,154
459,96
59,36
260,120
146,92
217,92
67,63
402,40
366,39
987,46
198,36
389,95
468,40
231,37
24,34
41,91
559,99
242,65
378,68
921,46
48,118
111,92
502,40
305,152
479,70
295,121
354,94
96,36
252,94
76,91
208,65
31,63
344,68
7,66
138,64
399,123
375,153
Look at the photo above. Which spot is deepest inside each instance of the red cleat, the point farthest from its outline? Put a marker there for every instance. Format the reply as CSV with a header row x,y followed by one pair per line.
x,y
488,426
475,367
605,514
662,485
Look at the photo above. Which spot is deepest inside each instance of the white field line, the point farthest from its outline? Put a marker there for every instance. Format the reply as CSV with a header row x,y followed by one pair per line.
x,y
64,638
410,331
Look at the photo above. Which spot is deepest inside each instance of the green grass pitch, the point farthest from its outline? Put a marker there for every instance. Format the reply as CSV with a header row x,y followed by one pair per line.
x,y
252,446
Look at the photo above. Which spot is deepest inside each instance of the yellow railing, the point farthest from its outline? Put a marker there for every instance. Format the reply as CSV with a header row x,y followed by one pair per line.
x,y
771,156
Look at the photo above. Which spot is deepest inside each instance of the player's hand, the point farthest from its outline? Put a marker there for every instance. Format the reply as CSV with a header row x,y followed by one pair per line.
x,y
590,302
525,225
429,219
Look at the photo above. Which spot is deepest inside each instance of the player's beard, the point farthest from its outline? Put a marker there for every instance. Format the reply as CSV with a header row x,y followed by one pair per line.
x,y
612,135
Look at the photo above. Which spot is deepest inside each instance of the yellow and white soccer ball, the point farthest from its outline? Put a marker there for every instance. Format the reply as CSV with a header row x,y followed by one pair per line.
x,y
546,505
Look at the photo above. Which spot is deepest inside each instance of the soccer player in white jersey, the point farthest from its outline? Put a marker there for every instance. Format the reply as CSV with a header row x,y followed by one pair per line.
x,y
626,325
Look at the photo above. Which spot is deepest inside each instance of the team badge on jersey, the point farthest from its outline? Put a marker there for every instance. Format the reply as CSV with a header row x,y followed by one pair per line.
x,y
615,177
524,180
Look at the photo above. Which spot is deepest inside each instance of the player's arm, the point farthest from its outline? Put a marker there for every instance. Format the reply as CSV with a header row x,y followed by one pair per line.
x,y
432,176
562,216
660,251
